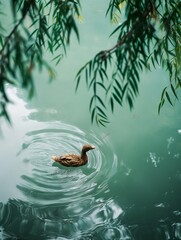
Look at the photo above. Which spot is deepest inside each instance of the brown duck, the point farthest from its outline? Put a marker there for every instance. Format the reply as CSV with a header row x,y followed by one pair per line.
x,y
74,160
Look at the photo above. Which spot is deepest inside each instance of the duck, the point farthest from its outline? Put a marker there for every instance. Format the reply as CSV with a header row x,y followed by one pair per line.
x,y
74,160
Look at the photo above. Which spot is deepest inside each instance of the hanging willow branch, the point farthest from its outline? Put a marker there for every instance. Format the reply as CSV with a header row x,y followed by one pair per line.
x,y
149,35
139,44
38,25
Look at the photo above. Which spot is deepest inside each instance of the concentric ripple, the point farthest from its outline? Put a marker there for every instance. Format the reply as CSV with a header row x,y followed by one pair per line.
x,y
70,203
49,182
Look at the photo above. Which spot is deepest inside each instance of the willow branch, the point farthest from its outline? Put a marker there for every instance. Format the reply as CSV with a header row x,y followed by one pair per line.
x,y
134,28
8,38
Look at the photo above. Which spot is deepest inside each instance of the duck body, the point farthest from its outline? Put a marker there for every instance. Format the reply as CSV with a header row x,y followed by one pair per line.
x,y
74,160
70,160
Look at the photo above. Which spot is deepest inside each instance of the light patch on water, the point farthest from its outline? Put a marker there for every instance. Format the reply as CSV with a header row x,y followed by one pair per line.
x,y
170,141
53,198
153,159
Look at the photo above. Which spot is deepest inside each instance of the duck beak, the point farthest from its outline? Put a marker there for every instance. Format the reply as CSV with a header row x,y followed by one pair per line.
x,y
93,147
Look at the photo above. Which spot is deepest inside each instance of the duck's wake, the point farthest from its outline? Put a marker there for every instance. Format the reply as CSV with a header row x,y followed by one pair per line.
x,y
82,193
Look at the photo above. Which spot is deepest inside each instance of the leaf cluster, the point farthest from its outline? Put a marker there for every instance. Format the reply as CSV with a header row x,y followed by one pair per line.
x,y
38,25
149,35
96,78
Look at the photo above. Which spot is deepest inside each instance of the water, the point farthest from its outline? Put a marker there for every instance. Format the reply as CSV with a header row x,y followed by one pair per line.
x,y
130,188
51,201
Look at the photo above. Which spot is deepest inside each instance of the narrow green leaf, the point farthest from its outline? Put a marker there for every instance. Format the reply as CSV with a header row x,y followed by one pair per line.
x,y
178,82
74,26
101,102
77,82
173,90
105,121
140,66
101,122
95,87
160,105
86,76
163,93
97,119
90,68
119,85
1,41
134,85
5,113
93,115
115,30
83,68
112,104
156,54
124,89
130,101
91,102
104,72
102,116
117,99
102,112
136,74
105,64
101,76
91,82
57,58
108,88
102,85
168,98
118,93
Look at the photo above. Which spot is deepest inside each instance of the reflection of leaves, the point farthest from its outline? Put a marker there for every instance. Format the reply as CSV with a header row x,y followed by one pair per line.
x,y
152,200
151,222
20,219
139,44
22,48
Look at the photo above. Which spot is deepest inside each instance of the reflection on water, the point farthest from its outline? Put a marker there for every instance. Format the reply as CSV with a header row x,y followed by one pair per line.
x,y
153,201
107,199
27,221
50,182
104,199
60,202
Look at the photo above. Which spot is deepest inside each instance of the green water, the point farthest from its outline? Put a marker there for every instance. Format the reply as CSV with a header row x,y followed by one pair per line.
x,y
130,188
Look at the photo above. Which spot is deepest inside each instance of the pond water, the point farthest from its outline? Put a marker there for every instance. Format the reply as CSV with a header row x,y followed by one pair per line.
x,y
130,188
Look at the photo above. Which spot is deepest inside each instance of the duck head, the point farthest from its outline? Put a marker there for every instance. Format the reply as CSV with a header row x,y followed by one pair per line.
x,y
87,147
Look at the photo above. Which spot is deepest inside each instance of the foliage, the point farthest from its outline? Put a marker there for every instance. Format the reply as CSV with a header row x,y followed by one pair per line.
x,y
38,25
149,35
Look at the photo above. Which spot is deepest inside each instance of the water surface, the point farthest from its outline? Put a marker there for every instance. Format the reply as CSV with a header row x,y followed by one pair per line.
x,y
130,188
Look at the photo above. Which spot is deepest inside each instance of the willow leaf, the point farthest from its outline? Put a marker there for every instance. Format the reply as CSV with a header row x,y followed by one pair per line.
x,y
173,90
118,93
93,114
112,104
130,101
91,102
102,112
163,93
104,72
101,102
115,30
160,105
102,85
168,98
124,88
117,99
77,82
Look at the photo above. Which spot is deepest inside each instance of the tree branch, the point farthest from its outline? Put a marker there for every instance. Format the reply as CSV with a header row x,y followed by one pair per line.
x,y
134,28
